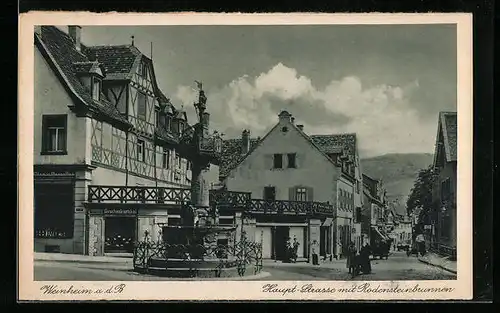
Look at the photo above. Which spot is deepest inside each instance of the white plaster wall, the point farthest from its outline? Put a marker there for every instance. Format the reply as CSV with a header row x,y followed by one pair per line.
x,y
52,98
263,234
256,172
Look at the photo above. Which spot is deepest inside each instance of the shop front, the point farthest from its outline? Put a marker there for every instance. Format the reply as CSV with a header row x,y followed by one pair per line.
x,y
115,229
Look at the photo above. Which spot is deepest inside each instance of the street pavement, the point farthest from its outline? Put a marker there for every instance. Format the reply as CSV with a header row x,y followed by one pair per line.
x,y
397,267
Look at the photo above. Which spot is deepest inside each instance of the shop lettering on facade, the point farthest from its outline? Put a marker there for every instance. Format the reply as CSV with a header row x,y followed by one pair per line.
x,y
120,211
54,174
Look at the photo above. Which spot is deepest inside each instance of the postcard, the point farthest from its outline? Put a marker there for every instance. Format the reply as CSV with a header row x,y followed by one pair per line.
x,y
198,156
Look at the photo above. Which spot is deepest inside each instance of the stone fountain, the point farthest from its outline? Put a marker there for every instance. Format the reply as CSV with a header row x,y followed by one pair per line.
x,y
192,249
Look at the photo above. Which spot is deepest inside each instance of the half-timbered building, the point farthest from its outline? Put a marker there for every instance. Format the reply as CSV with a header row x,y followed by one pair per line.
x,y
302,187
103,129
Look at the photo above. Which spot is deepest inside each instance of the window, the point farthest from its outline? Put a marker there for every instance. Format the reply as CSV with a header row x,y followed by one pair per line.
x,y
278,161
96,88
270,193
189,165
157,118
141,105
54,219
166,158
181,127
54,134
178,160
141,154
291,160
142,69
445,189
301,194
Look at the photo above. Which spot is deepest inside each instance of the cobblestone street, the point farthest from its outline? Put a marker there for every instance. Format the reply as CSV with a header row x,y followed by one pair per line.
x,y
397,267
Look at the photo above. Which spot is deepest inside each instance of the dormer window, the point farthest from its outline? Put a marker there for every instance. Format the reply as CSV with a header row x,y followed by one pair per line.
x,y
96,88
142,69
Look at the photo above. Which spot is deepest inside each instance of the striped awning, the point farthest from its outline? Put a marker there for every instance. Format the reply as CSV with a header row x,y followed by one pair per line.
x,y
328,221
384,237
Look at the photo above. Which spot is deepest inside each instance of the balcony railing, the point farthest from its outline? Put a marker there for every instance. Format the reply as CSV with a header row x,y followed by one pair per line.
x,y
139,194
231,199
285,206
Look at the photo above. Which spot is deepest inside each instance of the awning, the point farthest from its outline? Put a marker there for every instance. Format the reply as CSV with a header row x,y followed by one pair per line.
x,y
328,221
380,234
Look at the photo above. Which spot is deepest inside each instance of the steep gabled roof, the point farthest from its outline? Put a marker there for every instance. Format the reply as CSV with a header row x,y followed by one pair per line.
x,y
332,143
447,127
59,50
326,144
119,61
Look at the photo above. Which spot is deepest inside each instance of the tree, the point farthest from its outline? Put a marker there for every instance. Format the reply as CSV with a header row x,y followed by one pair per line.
x,y
421,192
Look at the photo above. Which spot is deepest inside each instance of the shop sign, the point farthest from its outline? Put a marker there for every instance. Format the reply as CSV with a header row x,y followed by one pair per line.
x,y
54,174
120,211
161,220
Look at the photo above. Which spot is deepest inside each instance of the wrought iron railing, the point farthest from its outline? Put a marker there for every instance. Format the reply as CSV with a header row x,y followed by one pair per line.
x,y
285,206
243,255
231,199
142,194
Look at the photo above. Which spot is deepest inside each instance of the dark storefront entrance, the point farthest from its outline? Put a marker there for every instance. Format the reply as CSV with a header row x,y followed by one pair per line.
x,y
279,239
119,234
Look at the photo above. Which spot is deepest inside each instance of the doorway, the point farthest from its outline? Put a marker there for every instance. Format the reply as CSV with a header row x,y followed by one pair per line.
x,y
119,234
323,240
280,237
270,193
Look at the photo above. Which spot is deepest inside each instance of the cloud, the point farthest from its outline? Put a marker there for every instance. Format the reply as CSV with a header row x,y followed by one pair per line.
x,y
383,116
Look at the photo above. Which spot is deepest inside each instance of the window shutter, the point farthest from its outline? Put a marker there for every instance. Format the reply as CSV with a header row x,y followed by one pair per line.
x,y
310,194
268,161
291,193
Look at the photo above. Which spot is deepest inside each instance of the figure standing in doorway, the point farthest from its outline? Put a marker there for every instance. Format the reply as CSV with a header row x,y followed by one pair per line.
x,y
295,247
315,251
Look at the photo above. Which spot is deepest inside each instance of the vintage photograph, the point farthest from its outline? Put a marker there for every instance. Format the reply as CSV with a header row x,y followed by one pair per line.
x,y
245,152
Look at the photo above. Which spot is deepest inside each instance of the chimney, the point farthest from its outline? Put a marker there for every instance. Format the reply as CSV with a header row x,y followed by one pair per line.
x,y
75,32
38,30
285,117
301,127
245,141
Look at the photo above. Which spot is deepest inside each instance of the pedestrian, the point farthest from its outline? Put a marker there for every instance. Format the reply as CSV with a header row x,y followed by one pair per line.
x,y
314,251
365,253
421,244
351,254
296,245
288,256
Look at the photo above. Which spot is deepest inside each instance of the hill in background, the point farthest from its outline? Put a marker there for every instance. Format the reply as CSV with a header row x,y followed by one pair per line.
x,y
398,173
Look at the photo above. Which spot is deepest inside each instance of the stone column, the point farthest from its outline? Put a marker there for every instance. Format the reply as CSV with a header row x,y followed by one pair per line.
x,y
238,221
96,235
82,181
313,234
250,226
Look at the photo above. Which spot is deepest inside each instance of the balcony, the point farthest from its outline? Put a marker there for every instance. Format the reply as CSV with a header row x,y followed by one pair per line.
x,y
228,199
290,207
139,194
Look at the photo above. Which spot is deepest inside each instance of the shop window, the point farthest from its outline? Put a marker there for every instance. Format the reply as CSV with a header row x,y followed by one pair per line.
x,y
54,135
54,219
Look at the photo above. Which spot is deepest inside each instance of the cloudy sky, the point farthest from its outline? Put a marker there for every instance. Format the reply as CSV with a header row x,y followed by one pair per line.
x,y
385,83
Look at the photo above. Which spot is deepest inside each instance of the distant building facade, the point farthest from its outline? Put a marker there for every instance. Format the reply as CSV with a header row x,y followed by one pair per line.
x,y
289,165
374,214
444,215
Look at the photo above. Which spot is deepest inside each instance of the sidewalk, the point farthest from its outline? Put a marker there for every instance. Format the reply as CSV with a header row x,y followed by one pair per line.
x,y
62,257
439,261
